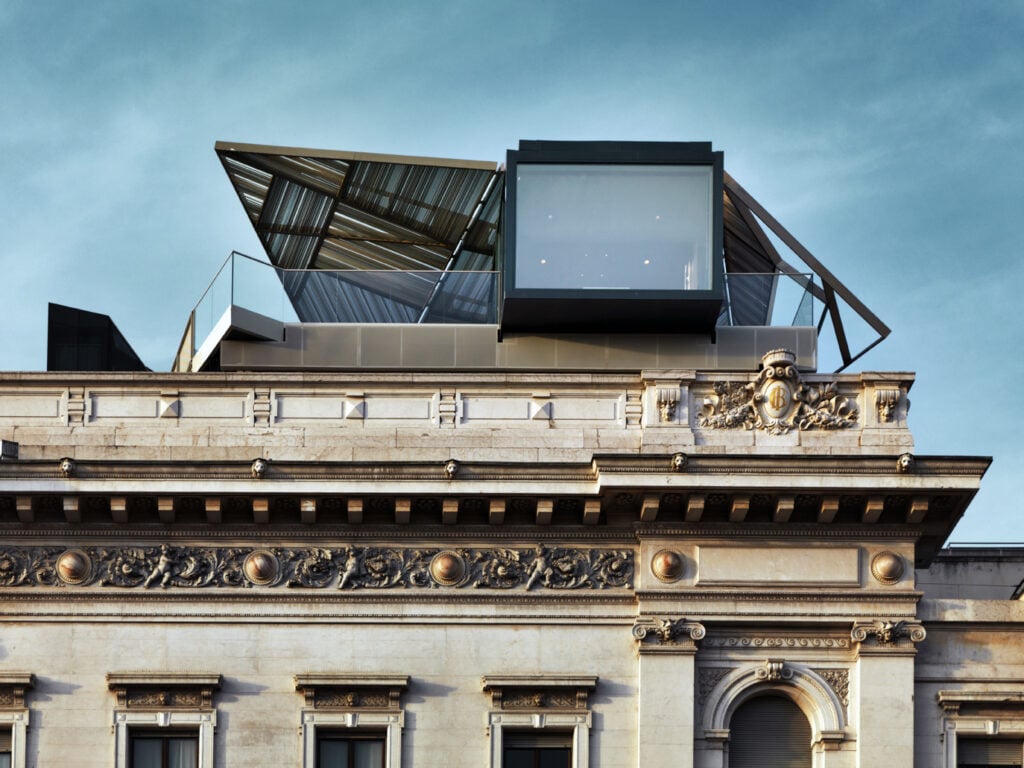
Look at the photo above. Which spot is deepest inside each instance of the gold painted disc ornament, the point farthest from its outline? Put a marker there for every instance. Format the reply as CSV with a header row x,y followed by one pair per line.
x,y
667,565
261,567
447,568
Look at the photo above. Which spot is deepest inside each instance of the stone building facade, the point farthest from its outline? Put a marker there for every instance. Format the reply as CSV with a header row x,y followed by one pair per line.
x,y
248,562
635,550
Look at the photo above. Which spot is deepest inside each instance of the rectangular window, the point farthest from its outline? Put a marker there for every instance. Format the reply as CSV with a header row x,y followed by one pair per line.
x,y
152,750
5,748
529,750
987,753
337,750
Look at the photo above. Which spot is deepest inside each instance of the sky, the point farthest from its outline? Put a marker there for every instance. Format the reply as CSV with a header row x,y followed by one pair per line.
x,y
887,137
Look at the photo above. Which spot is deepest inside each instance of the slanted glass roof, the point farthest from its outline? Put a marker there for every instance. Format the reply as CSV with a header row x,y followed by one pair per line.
x,y
333,210
345,210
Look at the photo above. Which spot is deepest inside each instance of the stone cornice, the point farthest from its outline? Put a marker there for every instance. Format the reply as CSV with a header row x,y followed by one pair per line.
x,y
282,473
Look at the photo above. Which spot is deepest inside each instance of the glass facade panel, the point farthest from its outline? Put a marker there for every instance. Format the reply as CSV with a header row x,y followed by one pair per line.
x,y
613,227
537,757
151,751
350,752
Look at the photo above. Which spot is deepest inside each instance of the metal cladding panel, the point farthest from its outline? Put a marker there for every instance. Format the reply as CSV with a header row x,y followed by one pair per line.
x,y
330,211
434,201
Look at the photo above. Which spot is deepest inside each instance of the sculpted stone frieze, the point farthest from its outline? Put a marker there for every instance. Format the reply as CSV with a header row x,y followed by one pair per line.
x,y
777,401
344,568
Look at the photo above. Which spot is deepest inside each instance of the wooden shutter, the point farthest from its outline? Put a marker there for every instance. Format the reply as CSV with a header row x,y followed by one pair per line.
x,y
5,739
769,732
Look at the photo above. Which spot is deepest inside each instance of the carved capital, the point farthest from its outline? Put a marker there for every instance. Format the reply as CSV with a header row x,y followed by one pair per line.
x,y
666,634
887,633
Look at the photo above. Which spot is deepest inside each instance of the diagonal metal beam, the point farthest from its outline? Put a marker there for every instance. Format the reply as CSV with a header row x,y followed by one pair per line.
x,y
738,192
780,263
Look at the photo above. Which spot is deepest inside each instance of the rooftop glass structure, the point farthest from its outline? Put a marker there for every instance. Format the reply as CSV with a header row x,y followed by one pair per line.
x,y
600,237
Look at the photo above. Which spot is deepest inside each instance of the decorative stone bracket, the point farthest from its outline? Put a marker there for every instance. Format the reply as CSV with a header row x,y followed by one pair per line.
x,y
13,687
667,635
773,671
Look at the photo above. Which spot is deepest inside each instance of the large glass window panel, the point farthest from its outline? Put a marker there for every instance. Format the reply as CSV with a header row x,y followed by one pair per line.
x,y
529,750
341,752
153,751
613,227
5,760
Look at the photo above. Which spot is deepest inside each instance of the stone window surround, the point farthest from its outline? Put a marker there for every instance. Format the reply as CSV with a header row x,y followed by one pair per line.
x,y
799,683
959,720
129,715
575,719
389,718
14,714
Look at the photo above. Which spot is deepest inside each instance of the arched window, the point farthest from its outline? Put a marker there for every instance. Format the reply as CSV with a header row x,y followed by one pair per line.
x,y
769,732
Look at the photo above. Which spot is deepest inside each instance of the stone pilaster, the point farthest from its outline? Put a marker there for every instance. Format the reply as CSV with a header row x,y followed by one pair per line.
x,y
665,712
884,674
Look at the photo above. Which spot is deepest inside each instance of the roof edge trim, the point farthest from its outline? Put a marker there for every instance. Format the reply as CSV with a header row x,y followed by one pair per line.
x,y
370,157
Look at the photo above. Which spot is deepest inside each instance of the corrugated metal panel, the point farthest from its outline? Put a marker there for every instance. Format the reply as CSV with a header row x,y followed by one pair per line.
x,y
437,202
291,222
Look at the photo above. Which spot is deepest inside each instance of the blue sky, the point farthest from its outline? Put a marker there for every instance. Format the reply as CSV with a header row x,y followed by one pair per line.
x,y
888,137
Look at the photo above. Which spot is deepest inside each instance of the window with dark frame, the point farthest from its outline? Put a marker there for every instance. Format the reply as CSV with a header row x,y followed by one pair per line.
x,y
530,750
988,753
348,750
5,747
178,749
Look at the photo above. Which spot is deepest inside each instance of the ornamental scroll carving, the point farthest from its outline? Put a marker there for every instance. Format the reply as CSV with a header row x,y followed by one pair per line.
x,y
531,693
777,401
888,633
838,680
146,691
666,632
352,692
343,568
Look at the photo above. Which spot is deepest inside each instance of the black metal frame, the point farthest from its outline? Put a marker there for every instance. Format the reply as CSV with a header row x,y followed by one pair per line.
x,y
350,738
600,310
163,736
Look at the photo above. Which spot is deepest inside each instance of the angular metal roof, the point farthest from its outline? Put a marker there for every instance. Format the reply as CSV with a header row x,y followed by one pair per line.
x,y
332,210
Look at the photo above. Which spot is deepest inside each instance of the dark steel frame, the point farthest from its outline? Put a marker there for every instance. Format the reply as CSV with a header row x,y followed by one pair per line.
x,y
601,310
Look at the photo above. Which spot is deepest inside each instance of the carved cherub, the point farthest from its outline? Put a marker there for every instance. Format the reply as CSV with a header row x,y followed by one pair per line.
x,y
541,569
351,569
164,569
